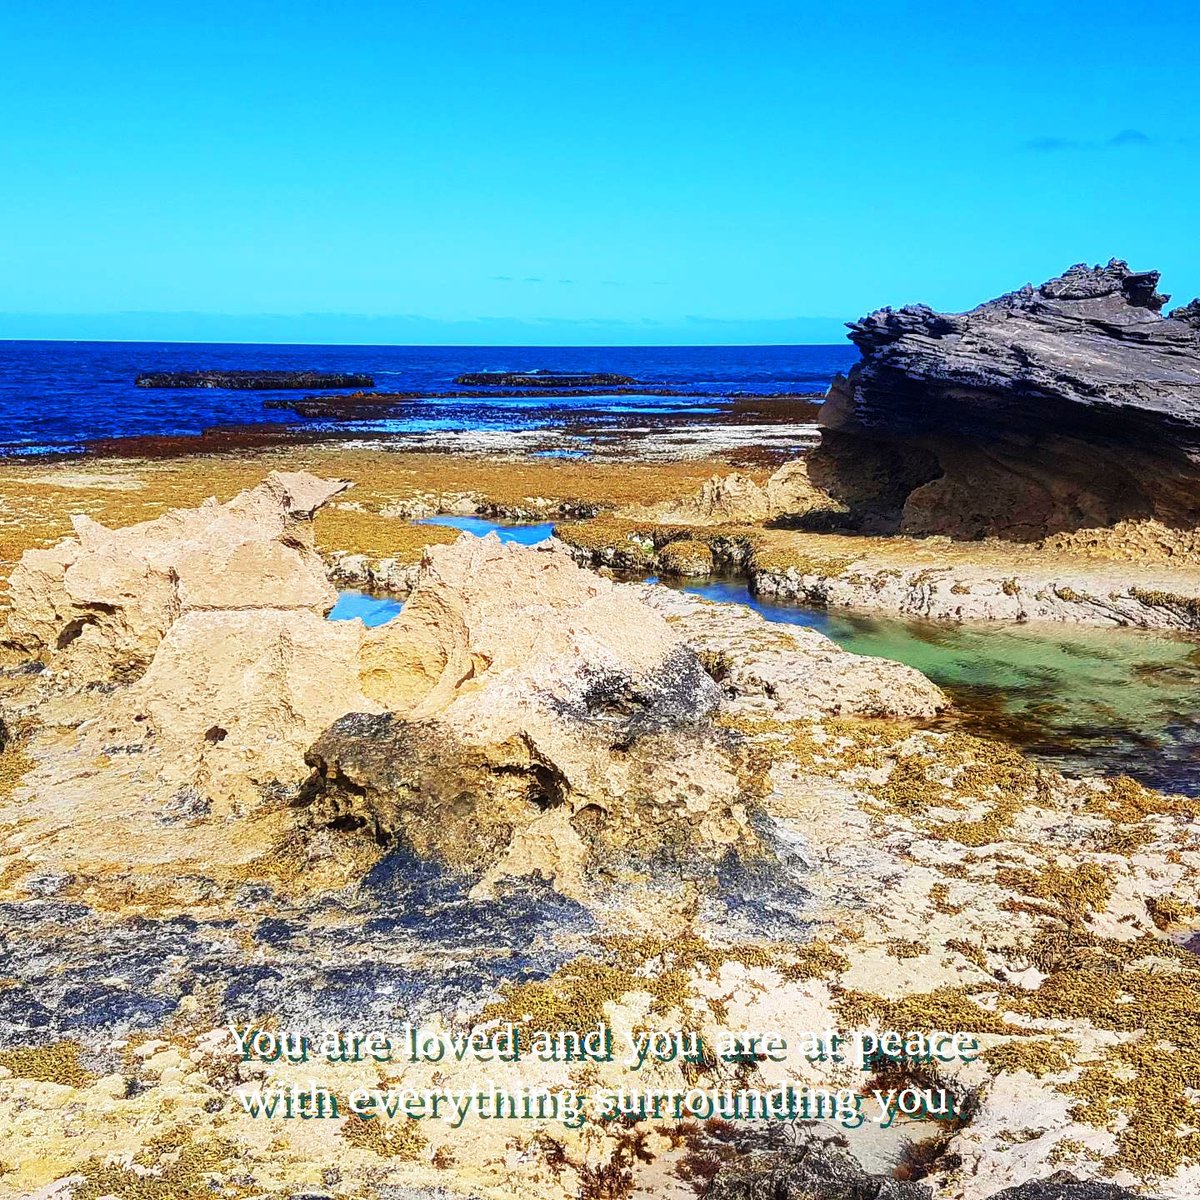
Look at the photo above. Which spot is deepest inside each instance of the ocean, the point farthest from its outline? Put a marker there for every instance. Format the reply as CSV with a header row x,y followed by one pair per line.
x,y
58,396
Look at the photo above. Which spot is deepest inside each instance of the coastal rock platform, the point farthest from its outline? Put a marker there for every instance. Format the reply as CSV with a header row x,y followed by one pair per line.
x,y
540,796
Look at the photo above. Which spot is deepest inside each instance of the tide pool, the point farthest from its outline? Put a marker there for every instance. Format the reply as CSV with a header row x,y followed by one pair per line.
x,y
523,535
1085,699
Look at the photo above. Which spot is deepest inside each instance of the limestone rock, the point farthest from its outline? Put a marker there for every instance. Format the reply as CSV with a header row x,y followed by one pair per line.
x,y
793,499
96,606
1073,405
517,684
792,672
236,697
722,499
788,494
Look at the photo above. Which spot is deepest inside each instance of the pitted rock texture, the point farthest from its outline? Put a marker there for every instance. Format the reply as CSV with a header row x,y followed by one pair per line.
x,y
540,719
811,1172
521,717
534,726
1073,405
95,607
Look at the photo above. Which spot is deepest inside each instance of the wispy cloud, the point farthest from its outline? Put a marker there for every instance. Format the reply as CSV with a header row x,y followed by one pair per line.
x,y
1118,141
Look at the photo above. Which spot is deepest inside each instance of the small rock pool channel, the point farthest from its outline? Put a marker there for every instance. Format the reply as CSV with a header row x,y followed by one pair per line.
x,y
1087,700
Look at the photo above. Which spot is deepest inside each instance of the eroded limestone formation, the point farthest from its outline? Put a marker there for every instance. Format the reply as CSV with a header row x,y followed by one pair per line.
x,y
96,606
1070,406
588,800
522,716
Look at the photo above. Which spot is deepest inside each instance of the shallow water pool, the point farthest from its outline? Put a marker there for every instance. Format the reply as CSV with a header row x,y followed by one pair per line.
x,y
1086,699
370,610
523,535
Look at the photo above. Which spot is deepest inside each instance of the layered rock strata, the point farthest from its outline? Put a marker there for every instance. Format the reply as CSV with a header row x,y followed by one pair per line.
x,y
1073,405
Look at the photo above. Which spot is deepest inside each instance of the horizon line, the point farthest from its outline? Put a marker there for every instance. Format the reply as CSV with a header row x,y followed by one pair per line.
x,y
433,345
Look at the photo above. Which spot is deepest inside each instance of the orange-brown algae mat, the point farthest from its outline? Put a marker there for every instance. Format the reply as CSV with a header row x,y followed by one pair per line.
x,y
38,499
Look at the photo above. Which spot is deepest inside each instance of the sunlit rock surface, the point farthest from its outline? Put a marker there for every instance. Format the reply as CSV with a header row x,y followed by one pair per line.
x,y
542,796
1070,406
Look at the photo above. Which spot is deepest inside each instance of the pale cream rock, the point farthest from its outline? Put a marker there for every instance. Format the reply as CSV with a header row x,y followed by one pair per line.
x,y
97,605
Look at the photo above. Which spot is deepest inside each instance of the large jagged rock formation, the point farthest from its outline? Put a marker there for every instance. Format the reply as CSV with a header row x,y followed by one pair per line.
x,y
1073,405
522,716
536,713
95,607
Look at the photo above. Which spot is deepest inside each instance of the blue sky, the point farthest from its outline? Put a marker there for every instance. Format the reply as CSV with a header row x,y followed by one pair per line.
x,y
469,172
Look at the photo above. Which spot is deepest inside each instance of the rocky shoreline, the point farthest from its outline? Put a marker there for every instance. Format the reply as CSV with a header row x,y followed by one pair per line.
x,y
538,791
547,794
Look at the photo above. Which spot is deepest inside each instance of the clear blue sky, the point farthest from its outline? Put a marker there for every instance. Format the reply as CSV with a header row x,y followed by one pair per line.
x,y
597,172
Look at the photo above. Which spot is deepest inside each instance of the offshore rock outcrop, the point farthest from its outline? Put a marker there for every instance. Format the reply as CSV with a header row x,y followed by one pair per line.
x,y
544,379
1070,406
252,381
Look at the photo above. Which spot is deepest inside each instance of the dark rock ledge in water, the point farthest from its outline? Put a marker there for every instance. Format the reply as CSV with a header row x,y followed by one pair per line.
x,y
1073,405
252,381
544,379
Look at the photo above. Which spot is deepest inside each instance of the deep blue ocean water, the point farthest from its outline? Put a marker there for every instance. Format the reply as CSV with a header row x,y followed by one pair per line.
x,y
59,395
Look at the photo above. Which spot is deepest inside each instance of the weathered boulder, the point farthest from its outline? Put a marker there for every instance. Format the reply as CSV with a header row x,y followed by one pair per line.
x,y
521,716
97,605
723,498
1073,405
233,699
813,1171
537,713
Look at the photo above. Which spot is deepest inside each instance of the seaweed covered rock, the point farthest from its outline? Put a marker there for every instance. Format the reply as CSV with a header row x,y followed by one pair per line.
x,y
813,1171
1073,405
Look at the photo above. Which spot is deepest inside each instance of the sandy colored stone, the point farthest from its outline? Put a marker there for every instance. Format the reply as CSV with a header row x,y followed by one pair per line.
x,y
97,606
